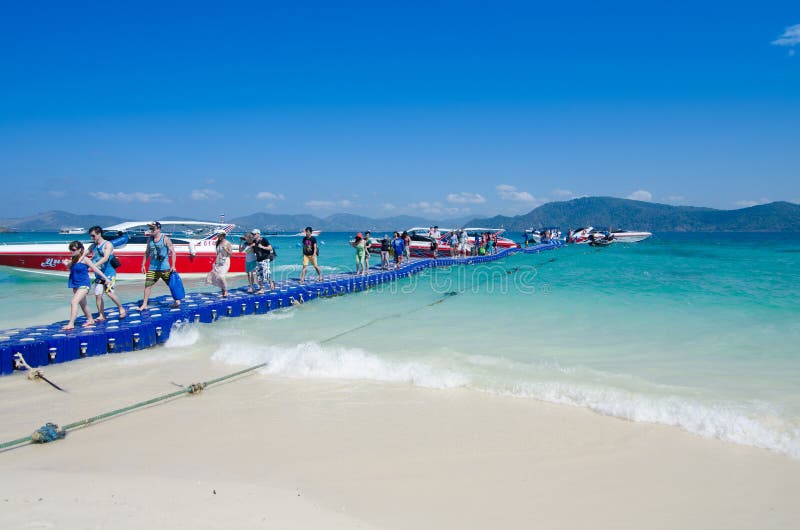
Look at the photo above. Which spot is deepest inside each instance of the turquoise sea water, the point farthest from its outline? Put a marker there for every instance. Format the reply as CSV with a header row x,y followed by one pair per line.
x,y
699,331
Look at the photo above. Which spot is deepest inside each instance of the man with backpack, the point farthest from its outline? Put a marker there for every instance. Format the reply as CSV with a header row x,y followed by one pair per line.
x,y
264,256
104,259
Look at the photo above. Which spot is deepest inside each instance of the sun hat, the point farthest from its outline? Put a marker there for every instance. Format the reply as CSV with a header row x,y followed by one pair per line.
x,y
222,232
255,231
360,235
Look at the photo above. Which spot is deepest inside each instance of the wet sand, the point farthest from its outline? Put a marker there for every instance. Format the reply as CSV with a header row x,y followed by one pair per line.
x,y
264,452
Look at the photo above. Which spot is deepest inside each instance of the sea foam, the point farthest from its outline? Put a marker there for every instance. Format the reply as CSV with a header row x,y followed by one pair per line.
x,y
741,423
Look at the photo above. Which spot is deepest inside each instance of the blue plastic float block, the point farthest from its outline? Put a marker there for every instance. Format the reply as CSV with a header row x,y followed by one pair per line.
x,y
66,347
119,339
33,349
260,304
6,358
267,302
245,303
91,343
162,323
231,308
205,312
143,333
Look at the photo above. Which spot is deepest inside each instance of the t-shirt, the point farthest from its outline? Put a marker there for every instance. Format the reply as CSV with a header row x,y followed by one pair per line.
x,y
385,245
261,254
398,245
309,245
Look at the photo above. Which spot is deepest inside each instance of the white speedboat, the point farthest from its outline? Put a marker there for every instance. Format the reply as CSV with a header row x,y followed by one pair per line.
x,y
537,236
72,230
629,236
422,242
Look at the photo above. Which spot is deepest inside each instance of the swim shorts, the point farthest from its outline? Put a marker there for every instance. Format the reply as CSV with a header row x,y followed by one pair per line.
x,y
99,288
153,276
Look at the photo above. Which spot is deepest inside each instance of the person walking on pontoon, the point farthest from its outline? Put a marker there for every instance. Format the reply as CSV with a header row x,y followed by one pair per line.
x,y
358,244
310,253
386,245
161,254
250,263
367,243
222,263
398,246
265,253
103,258
80,283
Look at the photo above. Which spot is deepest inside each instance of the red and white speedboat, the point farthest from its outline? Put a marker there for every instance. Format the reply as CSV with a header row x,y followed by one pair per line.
x,y
579,236
194,243
422,242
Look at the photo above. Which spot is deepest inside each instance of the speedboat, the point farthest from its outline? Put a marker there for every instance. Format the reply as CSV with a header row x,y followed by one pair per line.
x,y
543,235
422,243
630,236
581,235
72,230
195,253
599,239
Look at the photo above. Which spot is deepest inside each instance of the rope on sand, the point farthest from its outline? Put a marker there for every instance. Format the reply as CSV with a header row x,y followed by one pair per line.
x,y
51,431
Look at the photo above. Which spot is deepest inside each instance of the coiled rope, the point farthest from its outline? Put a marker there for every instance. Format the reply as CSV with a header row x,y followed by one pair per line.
x,y
52,432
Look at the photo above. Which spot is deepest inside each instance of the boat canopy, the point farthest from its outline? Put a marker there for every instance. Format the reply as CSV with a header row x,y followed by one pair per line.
x,y
195,229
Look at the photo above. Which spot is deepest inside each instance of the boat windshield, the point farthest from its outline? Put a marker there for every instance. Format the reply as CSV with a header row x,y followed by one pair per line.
x,y
175,229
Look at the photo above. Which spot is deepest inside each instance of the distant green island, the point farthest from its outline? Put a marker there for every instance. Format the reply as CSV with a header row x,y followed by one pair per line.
x,y
600,212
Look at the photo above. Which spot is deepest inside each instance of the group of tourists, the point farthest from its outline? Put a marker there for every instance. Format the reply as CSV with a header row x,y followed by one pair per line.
x,y
396,249
159,263
481,244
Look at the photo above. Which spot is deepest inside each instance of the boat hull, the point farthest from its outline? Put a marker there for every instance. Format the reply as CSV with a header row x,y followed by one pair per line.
x,y
631,237
49,259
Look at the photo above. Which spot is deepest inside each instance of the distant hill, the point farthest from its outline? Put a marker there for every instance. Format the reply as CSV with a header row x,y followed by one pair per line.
x,y
341,222
602,212
55,220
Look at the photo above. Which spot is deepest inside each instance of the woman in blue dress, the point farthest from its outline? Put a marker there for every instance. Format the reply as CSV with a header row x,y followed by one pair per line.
x,y
80,282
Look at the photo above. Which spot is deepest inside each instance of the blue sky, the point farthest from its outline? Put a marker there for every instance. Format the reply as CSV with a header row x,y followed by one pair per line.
x,y
440,109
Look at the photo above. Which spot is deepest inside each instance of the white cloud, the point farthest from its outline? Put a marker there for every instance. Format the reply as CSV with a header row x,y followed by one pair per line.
x,y
510,193
137,196
269,196
388,206
57,194
749,203
563,193
205,195
675,198
324,205
641,195
320,204
790,37
425,207
466,198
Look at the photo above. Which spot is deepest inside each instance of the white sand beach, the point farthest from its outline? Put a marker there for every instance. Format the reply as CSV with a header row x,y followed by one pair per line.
x,y
264,452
